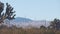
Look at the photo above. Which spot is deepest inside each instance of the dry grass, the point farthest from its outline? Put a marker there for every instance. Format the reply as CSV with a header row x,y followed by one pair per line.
x,y
27,31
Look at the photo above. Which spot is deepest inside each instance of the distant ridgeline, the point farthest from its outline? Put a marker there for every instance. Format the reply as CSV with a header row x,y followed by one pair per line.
x,y
21,19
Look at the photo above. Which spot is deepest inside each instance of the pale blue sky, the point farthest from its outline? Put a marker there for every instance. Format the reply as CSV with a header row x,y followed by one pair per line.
x,y
36,9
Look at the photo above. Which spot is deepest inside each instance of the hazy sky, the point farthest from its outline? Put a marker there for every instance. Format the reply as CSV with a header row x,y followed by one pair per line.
x,y
36,9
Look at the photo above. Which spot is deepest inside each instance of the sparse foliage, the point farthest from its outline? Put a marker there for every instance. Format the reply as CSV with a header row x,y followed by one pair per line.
x,y
9,13
55,24
42,27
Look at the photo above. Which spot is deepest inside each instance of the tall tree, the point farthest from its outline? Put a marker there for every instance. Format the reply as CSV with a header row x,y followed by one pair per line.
x,y
1,8
55,24
9,13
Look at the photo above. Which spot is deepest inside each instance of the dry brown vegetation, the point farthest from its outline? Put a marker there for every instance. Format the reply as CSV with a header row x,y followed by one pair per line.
x,y
28,31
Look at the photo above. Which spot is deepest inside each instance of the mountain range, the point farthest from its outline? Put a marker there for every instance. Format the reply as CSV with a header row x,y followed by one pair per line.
x,y
26,22
21,19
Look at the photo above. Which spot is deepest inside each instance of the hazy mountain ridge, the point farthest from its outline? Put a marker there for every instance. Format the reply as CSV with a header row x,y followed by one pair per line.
x,y
21,19
26,23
